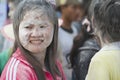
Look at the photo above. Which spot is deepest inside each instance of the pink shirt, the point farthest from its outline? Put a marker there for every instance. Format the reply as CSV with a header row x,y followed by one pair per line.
x,y
18,68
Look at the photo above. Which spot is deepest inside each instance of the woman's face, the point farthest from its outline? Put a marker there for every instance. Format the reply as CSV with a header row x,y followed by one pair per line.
x,y
36,31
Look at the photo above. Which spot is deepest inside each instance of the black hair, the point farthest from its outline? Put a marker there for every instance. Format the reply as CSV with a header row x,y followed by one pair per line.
x,y
107,20
78,42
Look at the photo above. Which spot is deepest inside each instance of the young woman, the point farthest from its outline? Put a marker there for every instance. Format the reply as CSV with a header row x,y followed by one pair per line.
x,y
34,54
105,65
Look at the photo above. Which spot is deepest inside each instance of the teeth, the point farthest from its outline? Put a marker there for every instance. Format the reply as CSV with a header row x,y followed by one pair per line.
x,y
37,42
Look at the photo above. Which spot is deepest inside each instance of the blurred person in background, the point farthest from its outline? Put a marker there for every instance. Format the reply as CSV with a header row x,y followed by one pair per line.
x,y
7,31
2,38
85,45
83,13
69,12
8,35
105,65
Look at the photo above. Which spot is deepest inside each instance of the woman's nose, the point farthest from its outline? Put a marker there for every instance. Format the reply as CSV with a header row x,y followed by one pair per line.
x,y
36,33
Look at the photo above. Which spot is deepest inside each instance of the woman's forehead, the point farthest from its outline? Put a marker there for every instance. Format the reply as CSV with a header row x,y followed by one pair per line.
x,y
36,22
37,15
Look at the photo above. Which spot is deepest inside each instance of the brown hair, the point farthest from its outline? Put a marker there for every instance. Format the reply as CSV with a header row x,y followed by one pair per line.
x,y
50,58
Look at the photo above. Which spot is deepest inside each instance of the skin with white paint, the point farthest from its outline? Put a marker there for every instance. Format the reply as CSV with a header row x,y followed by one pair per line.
x,y
36,31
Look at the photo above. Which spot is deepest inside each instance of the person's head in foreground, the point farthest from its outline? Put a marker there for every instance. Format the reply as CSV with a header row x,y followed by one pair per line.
x,y
105,65
106,21
36,29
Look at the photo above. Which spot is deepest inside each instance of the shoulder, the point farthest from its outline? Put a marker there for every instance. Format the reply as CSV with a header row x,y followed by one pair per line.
x,y
17,70
88,50
75,30
100,58
99,68
105,56
61,32
90,44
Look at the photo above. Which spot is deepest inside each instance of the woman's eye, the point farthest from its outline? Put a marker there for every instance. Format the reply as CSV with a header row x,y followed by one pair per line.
x,y
28,27
43,26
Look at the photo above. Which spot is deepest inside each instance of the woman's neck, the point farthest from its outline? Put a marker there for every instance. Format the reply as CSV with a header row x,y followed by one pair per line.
x,y
103,42
41,57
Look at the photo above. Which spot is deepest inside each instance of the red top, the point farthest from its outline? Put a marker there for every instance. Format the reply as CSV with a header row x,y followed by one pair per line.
x,y
18,68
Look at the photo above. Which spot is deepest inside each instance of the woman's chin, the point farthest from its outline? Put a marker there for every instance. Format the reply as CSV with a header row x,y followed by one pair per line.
x,y
35,49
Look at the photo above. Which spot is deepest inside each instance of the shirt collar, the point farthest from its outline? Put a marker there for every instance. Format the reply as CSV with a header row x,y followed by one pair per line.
x,y
111,46
18,55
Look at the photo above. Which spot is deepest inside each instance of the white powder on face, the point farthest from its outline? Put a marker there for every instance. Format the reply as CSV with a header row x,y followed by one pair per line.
x,y
36,27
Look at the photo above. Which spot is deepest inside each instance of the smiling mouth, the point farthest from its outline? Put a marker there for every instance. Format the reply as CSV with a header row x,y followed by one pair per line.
x,y
36,41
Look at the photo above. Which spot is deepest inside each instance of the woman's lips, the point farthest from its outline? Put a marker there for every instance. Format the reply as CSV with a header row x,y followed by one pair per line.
x,y
36,41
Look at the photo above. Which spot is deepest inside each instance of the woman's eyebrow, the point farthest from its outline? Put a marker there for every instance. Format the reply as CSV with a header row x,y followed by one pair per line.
x,y
29,24
43,23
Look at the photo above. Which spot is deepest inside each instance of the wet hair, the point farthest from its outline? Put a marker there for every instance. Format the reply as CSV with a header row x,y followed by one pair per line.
x,y
107,20
50,58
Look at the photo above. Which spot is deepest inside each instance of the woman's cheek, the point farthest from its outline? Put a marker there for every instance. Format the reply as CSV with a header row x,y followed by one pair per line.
x,y
48,35
24,37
